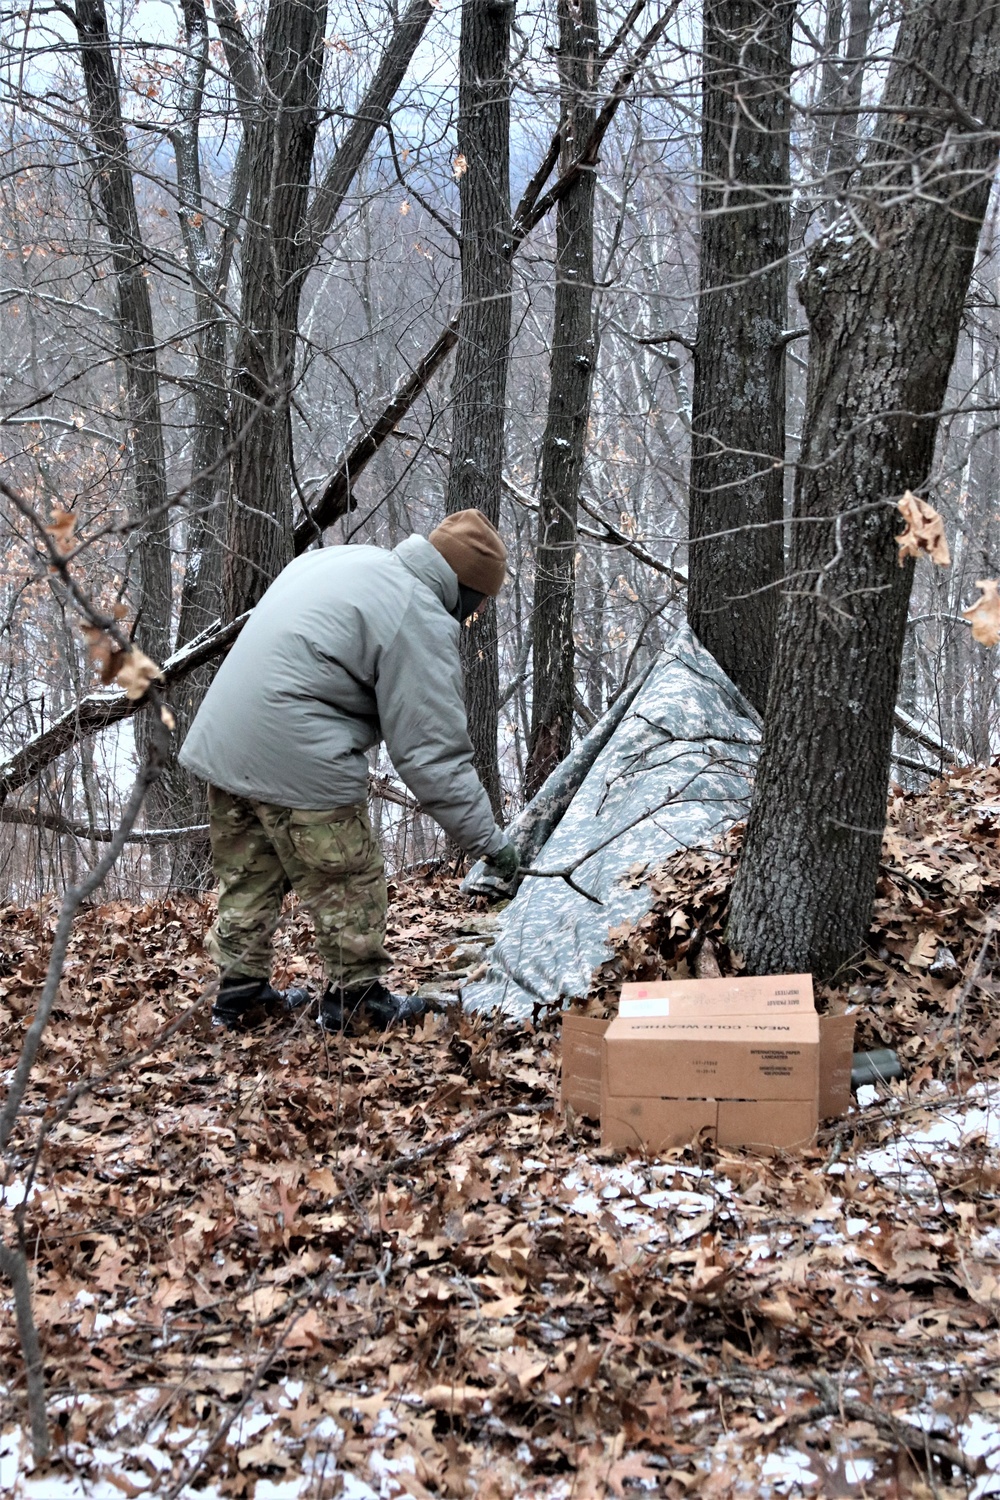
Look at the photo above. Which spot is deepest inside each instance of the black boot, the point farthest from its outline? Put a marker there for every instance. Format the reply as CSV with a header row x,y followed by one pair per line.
x,y
242,1003
347,1009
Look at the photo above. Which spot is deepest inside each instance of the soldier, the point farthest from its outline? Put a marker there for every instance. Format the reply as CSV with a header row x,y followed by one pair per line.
x,y
348,646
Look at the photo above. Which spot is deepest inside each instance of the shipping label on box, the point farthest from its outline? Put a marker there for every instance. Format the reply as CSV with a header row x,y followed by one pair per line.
x,y
752,995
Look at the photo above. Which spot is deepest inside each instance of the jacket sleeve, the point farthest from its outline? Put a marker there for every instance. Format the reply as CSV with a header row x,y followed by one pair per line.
x,y
421,707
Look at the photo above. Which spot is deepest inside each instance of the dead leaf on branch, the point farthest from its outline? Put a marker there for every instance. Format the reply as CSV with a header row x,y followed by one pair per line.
x,y
984,614
133,669
62,523
924,531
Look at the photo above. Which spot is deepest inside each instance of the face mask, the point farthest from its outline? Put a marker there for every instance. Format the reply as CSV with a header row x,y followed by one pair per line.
x,y
469,601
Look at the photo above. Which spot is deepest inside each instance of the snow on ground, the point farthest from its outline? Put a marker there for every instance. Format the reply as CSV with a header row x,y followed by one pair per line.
x,y
144,1454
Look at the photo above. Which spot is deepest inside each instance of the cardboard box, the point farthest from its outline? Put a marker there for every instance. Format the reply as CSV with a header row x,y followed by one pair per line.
x,y
747,1059
582,1046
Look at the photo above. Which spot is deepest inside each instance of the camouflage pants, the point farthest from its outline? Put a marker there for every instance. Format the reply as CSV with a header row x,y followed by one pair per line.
x,y
330,860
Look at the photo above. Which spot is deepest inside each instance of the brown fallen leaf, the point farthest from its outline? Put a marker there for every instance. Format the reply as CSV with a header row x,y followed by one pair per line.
x,y
522,1366
924,531
984,613
579,1376
632,1466
265,1454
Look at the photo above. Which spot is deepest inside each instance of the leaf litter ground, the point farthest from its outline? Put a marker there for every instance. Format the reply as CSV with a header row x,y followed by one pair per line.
x,y
283,1267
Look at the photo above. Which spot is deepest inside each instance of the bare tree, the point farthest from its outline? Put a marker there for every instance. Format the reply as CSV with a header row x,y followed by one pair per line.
x,y
738,415
571,367
275,259
479,388
884,295
112,175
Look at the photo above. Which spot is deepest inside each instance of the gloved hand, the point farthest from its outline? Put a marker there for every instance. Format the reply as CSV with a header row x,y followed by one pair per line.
x,y
506,861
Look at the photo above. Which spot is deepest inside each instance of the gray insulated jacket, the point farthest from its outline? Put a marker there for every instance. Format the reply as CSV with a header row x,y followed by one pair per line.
x,y
348,646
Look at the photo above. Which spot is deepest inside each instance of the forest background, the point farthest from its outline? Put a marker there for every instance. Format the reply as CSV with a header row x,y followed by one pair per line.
x,y
233,283
700,305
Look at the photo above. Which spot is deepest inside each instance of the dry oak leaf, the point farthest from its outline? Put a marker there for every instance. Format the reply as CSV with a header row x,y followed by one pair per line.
x,y
632,1466
984,614
60,529
137,672
924,531
133,669
265,1454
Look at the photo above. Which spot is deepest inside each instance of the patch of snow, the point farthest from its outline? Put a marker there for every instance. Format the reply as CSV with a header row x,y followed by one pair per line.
x,y
786,1467
12,1196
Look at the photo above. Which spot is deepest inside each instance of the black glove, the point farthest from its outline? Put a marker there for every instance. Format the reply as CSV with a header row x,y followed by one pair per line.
x,y
506,861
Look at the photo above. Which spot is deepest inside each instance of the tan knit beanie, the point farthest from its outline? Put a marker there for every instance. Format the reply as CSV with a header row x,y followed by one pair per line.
x,y
471,546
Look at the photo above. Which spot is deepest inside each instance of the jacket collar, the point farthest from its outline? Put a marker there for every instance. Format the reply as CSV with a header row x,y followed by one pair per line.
x,y
425,562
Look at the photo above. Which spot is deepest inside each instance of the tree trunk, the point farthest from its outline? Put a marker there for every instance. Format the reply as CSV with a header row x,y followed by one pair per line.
x,y
884,303
844,136
275,259
571,376
479,389
738,416
205,501
137,346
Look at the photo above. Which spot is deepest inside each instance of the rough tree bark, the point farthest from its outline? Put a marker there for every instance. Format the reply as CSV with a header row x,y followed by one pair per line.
x,y
479,389
738,409
843,153
884,302
571,367
137,340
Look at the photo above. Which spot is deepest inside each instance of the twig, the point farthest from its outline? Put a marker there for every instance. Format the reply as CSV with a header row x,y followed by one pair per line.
x,y
219,1435
72,900
989,933
566,875
914,1439
13,1262
15,1268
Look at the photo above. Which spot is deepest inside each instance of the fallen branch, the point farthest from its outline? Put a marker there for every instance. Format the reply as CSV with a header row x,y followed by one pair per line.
x,y
409,1159
99,710
911,730
533,826
337,498
32,817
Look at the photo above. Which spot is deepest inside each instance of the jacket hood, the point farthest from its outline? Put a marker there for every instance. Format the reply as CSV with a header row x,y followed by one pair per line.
x,y
425,562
